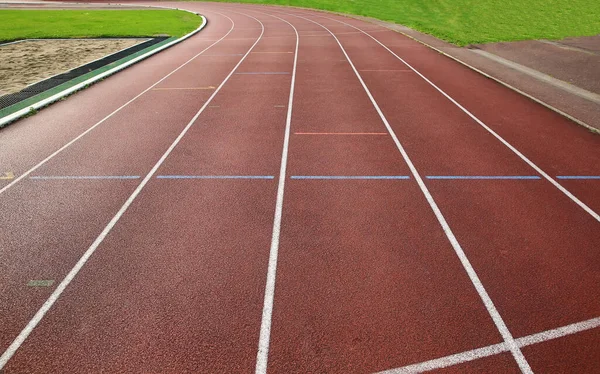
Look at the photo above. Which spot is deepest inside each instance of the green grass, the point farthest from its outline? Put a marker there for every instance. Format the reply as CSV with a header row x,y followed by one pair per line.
x,y
473,21
26,24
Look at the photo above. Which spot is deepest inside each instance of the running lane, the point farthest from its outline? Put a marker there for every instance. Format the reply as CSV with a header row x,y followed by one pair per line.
x,y
49,223
25,144
533,246
178,284
366,279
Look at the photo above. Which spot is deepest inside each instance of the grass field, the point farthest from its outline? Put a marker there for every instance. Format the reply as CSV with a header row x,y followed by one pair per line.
x,y
473,21
26,24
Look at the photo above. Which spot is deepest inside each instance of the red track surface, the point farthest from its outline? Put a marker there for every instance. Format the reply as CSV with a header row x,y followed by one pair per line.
x,y
175,274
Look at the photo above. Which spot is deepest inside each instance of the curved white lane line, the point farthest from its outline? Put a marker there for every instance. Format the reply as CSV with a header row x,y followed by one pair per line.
x,y
38,165
489,304
39,315
262,355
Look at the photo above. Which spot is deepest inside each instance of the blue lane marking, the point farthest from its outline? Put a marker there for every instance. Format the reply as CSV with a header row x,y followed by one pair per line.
x,y
350,177
578,177
58,177
215,177
483,177
264,72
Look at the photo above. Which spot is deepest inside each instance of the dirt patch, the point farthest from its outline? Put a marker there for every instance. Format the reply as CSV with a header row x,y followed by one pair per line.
x,y
30,61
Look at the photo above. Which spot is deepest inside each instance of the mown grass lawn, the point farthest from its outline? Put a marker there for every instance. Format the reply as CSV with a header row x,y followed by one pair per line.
x,y
473,21
28,24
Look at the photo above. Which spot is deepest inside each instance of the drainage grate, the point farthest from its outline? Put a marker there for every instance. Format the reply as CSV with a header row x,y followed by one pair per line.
x,y
35,89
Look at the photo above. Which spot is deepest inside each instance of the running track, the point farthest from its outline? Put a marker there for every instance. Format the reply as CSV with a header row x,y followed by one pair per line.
x,y
294,191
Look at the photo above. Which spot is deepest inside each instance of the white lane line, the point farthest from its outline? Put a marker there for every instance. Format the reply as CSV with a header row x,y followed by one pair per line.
x,y
489,304
24,175
495,349
559,332
262,355
589,210
451,360
39,315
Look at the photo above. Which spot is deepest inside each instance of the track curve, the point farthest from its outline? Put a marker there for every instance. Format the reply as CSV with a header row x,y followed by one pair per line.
x,y
297,191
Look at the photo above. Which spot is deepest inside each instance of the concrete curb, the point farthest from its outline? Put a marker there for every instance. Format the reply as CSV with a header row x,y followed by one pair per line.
x,y
68,91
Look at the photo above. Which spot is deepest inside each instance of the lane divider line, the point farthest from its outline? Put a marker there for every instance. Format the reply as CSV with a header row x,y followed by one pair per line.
x,y
215,177
495,349
51,156
350,177
273,52
39,315
539,170
578,177
82,177
486,299
262,354
535,177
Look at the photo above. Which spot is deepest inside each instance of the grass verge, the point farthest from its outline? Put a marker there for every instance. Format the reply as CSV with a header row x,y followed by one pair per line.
x,y
464,22
43,24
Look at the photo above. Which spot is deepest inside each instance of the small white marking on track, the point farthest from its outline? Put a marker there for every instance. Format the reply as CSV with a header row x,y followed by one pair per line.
x,y
40,283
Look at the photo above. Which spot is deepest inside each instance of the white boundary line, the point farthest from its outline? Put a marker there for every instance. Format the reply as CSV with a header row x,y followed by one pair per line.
x,y
24,175
262,355
559,332
489,304
42,103
495,349
450,360
590,211
39,315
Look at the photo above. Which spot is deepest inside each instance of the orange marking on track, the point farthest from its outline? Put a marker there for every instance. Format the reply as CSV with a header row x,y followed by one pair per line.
x,y
340,133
